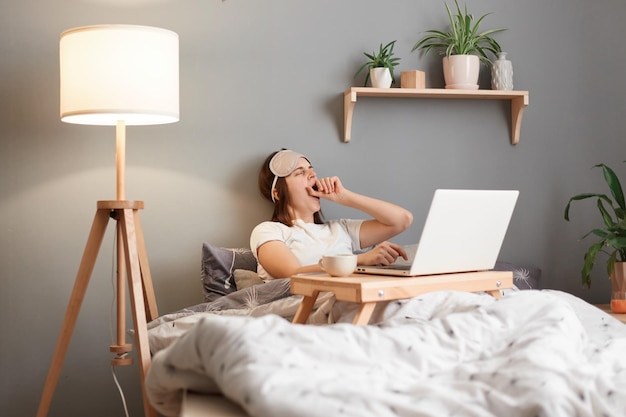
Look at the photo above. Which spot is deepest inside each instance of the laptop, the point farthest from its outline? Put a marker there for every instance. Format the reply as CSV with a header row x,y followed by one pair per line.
x,y
464,231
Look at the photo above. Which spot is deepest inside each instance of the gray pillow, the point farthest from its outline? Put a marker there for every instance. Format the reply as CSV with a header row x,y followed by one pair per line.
x,y
245,278
218,266
524,277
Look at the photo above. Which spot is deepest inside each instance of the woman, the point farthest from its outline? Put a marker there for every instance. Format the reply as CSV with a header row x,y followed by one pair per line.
x,y
297,237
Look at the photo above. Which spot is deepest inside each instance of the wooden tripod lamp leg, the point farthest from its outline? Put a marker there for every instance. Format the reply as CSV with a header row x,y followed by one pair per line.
x,y
121,348
131,236
148,289
85,270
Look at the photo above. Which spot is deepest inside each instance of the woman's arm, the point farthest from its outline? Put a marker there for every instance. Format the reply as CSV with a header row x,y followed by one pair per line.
x,y
388,219
278,260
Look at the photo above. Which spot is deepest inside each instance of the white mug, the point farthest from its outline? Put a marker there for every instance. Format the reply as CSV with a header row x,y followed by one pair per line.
x,y
338,265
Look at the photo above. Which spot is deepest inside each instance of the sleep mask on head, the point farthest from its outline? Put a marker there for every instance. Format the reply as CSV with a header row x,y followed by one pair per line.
x,y
282,164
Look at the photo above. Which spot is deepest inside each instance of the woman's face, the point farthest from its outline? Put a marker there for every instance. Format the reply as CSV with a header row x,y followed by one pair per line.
x,y
303,205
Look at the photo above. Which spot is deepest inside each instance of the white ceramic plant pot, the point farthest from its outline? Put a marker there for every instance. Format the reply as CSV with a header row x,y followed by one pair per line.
x,y
380,77
461,71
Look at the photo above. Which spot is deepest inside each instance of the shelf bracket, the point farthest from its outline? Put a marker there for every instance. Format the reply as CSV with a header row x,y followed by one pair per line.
x,y
349,100
518,105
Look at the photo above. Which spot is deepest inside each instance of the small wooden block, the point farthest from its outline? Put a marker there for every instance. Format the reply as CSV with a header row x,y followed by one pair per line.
x,y
413,79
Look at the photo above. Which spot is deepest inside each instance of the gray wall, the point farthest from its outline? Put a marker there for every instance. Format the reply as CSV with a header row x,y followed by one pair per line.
x,y
260,75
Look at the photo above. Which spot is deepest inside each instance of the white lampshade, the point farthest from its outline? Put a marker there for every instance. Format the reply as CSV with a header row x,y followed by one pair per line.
x,y
113,73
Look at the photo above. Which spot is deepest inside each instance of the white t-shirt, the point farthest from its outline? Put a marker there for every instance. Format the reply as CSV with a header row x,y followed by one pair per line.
x,y
308,241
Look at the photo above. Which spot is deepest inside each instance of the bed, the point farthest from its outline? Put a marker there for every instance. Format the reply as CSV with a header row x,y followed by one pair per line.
x,y
531,353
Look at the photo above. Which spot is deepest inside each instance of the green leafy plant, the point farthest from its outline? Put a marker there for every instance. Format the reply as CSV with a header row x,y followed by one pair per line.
x,y
613,233
384,58
463,38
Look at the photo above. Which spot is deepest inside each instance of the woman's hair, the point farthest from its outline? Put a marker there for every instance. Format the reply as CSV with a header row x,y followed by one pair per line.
x,y
281,212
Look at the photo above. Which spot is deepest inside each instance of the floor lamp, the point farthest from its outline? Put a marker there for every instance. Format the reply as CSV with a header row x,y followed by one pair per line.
x,y
116,75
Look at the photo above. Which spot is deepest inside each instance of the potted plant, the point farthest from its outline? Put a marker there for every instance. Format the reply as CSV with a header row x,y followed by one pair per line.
x,y
464,47
380,66
612,237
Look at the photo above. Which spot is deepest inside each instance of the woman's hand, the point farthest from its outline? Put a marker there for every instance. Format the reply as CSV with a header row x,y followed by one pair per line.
x,y
329,188
384,253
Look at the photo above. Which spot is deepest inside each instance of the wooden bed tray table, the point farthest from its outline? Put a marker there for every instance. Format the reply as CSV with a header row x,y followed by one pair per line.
x,y
367,290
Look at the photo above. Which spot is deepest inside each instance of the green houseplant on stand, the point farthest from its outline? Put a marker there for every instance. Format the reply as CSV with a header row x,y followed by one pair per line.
x,y
380,66
612,238
463,47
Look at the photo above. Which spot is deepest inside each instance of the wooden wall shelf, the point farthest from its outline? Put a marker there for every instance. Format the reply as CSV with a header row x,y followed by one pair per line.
x,y
519,101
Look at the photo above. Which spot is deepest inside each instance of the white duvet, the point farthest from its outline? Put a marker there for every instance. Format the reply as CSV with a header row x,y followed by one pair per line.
x,y
532,353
